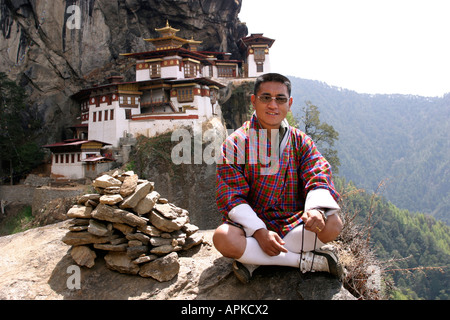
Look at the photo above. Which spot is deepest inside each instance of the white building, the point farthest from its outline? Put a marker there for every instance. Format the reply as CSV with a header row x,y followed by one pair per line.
x,y
176,85
76,159
147,107
256,49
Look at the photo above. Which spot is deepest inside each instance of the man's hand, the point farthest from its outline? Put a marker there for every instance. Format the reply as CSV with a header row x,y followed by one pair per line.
x,y
270,242
314,221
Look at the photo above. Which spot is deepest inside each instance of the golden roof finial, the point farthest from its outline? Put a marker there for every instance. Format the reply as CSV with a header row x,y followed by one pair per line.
x,y
167,29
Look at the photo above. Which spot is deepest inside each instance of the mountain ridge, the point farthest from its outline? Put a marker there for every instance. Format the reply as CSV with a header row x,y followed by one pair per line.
x,y
399,141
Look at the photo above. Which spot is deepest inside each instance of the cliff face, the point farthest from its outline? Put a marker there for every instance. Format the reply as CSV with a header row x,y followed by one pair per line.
x,y
191,184
55,48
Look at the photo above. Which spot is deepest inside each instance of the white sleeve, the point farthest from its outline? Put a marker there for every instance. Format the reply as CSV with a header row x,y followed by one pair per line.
x,y
246,217
321,198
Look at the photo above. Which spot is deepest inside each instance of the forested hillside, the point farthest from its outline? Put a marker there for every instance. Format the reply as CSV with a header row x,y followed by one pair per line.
x,y
414,248
400,140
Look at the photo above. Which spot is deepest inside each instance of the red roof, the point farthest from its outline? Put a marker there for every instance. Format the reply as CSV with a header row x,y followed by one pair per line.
x,y
83,125
73,142
96,158
256,38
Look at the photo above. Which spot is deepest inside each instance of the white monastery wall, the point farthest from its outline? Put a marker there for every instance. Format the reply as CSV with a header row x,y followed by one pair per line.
x,y
252,70
69,170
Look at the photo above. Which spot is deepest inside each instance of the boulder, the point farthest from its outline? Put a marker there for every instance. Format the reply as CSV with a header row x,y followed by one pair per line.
x,y
147,204
162,269
165,224
129,185
192,241
145,259
111,199
99,229
121,247
125,229
107,213
144,239
121,262
166,210
137,251
83,256
82,238
190,229
86,197
164,249
141,191
106,181
80,211
150,230
111,190
157,241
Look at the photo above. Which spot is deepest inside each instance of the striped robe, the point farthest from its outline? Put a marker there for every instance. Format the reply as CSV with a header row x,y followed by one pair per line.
x,y
277,196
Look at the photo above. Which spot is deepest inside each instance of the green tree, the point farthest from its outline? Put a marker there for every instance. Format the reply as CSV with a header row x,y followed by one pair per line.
x,y
18,152
323,134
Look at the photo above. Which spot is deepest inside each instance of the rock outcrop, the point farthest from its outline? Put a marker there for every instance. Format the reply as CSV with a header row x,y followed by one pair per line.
x,y
116,247
53,56
192,185
127,219
36,264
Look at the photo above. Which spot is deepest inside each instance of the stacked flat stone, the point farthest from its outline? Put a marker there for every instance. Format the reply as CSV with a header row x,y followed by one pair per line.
x,y
140,231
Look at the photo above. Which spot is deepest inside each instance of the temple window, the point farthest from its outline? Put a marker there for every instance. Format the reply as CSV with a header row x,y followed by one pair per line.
x,y
226,71
155,70
185,95
259,67
260,54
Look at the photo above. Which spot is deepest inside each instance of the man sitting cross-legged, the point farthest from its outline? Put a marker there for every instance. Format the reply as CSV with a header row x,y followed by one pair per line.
x,y
275,191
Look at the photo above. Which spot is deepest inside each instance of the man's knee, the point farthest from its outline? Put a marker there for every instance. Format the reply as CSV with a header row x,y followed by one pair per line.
x,y
332,230
229,241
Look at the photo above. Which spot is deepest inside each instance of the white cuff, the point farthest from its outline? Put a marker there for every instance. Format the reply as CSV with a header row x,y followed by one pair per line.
x,y
246,217
321,198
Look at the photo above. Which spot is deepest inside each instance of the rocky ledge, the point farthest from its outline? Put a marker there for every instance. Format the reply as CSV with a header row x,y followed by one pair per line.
x,y
100,253
36,265
140,231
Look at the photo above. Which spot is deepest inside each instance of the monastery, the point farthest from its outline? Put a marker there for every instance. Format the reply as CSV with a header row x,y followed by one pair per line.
x,y
176,85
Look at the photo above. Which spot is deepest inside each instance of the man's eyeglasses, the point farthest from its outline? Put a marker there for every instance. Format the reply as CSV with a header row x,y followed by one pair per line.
x,y
268,99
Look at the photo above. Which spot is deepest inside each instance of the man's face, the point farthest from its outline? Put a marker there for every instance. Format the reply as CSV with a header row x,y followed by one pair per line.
x,y
271,114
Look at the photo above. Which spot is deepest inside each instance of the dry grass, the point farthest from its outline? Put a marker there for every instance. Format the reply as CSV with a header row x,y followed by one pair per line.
x,y
364,273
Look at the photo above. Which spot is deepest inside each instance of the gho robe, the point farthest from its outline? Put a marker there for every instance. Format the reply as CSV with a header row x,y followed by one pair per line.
x,y
275,185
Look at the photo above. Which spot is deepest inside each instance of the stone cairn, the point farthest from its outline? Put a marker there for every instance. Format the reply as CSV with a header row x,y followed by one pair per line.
x,y
139,231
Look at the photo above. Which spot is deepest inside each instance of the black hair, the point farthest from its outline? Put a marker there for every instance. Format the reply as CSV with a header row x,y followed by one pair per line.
x,y
272,77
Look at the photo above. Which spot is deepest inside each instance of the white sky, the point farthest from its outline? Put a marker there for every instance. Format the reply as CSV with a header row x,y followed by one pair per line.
x,y
369,46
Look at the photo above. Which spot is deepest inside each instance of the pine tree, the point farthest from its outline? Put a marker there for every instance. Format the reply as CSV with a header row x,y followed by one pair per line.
x,y
323,134
18,152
